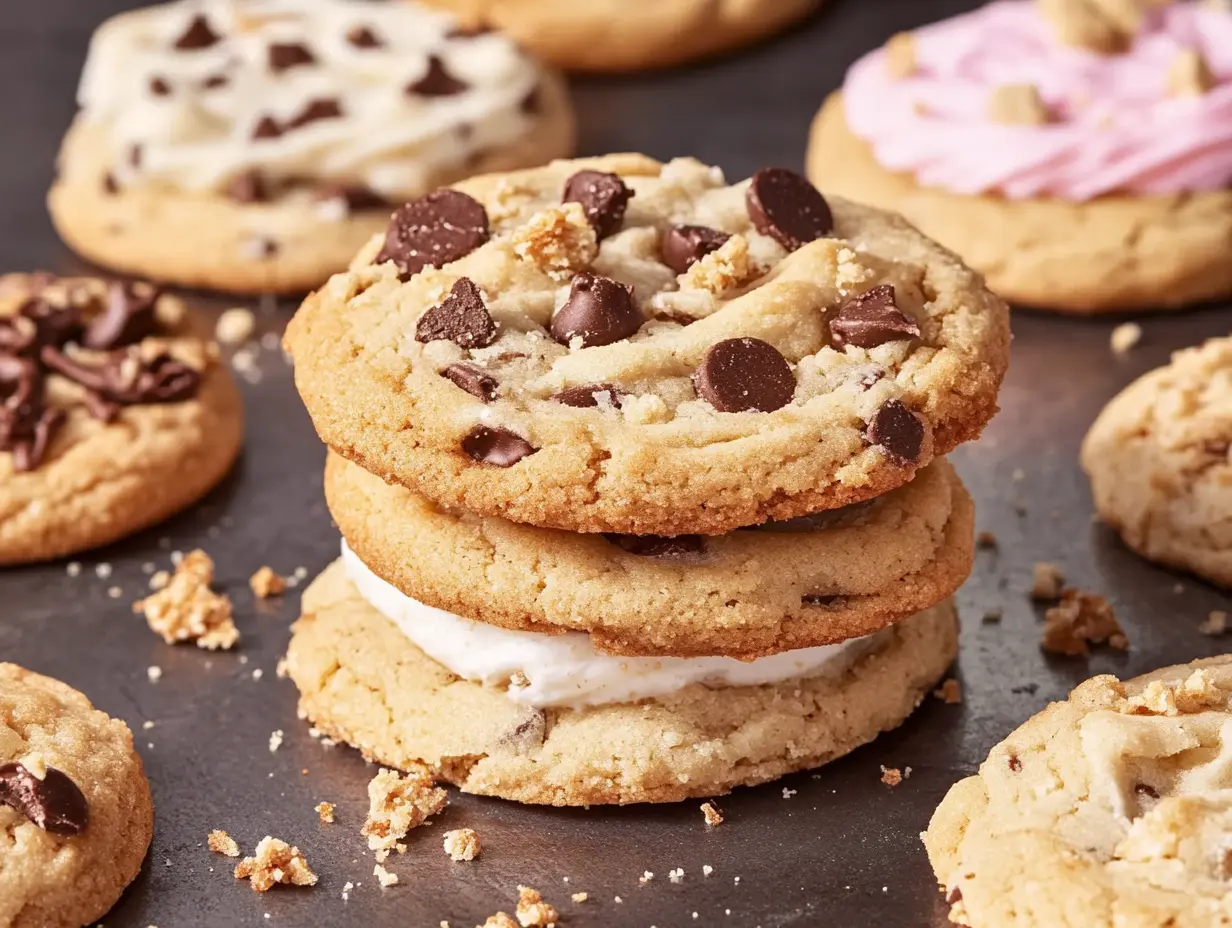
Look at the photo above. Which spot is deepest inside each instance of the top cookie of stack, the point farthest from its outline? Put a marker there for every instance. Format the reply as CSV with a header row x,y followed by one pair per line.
x,y
619,345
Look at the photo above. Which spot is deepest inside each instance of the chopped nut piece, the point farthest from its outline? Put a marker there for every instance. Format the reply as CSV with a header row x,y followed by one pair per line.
x,y
533,911
1196,693
950,692
580,897
222,843
1189,75
187,610
462,844
384,877
560,241
1106,27
900,55
1079,620
891,776
1125,336
712,815
1047,582
723,269
265,583
275,862
1018,105
235,326
396,804
325,811
1215,624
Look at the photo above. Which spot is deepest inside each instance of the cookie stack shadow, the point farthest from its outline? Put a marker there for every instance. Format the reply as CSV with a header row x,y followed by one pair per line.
x,y
663,582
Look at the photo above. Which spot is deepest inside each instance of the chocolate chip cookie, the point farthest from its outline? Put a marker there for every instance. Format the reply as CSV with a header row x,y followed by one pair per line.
x,y
619,345
256,147
75,807
115,413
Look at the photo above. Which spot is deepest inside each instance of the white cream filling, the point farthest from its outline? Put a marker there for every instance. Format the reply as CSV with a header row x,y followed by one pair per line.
x,y
565,670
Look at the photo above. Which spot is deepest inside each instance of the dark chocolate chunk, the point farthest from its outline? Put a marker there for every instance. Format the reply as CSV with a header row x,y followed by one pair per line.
x,y
871,319
684,246
898,431
496,446
433,231
473,379
599,311
29,453
55,803
603,197
159,86
286,55
744,375
658,546
588,396
437,81
127,317
786,207
462,318
315,111
248,187
364,37
198,35
267,128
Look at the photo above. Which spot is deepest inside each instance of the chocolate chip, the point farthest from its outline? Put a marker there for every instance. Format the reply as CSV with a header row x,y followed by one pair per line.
x,y
744,375
267,128
1014,763
198,35
684,246
356,197
437,82
363,37
462,318
433,231
603,197
248,187
314,111
786,207
658,546
588,397
599,311
214,81
496,446
54,803
110,184
286,55
818,521
470,31
871,319
897,431
159,87
127,317
474,380
954,896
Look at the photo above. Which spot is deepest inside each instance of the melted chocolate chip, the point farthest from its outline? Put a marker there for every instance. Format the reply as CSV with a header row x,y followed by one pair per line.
x,y
898,431
599,311
590,396
744,375
248,187
363,37
433,231
266,128
437,81
473,379
286,55
684,246
658,546
356,197
603,197
315,111
871,319
123,378
198,35
462,318
496,446
54,325
30,451
786,207
17,335
54,803
159,87
127,317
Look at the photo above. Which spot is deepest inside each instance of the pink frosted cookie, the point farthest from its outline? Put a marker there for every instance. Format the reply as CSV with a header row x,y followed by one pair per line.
x,y
1078,152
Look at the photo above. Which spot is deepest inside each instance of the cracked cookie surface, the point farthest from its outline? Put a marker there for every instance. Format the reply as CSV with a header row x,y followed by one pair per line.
x,y
1158,459
660,354
362,681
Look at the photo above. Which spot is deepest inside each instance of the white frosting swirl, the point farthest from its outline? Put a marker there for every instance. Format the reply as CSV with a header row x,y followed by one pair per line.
x,y
190,114
565,670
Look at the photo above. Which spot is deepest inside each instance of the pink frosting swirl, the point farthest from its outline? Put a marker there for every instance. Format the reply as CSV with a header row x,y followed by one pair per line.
x,y
1116,127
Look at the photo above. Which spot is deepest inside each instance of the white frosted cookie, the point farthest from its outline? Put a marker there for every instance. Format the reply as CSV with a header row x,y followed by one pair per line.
x,y
1112,809
255,145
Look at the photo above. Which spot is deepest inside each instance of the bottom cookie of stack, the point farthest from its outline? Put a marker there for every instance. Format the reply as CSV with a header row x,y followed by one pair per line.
x,y
634,729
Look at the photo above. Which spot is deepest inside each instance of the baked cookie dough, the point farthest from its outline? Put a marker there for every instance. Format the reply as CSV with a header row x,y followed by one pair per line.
x,y
619,345
362,681
76,813
1071,201
115,413
754,592
1158,459
254,147
608,35
1109,810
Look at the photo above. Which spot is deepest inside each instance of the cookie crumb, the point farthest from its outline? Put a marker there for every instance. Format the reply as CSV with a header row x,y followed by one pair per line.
x,y
950,692
154,673
462,844
159,580
986,540
1124,337
707,869
325,812
1216,623
275,862
1047,582
222,843
646,877
396,804
560,241
676,876
1196,693
384,877
235,326
991,616
900,56
723,269
891,776
1189,75
712,815
533,911
1018,105
499,920
187,610
266,583
275,740
1079,620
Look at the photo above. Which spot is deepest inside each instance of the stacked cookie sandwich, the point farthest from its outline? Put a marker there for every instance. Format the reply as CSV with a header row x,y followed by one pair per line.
x,y
640,480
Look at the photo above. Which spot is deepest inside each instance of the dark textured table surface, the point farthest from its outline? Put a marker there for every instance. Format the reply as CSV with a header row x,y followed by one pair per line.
x,y
840,849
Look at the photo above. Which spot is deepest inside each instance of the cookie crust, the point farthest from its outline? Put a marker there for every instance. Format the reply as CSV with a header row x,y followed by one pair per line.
x,y
362,681
1111,254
